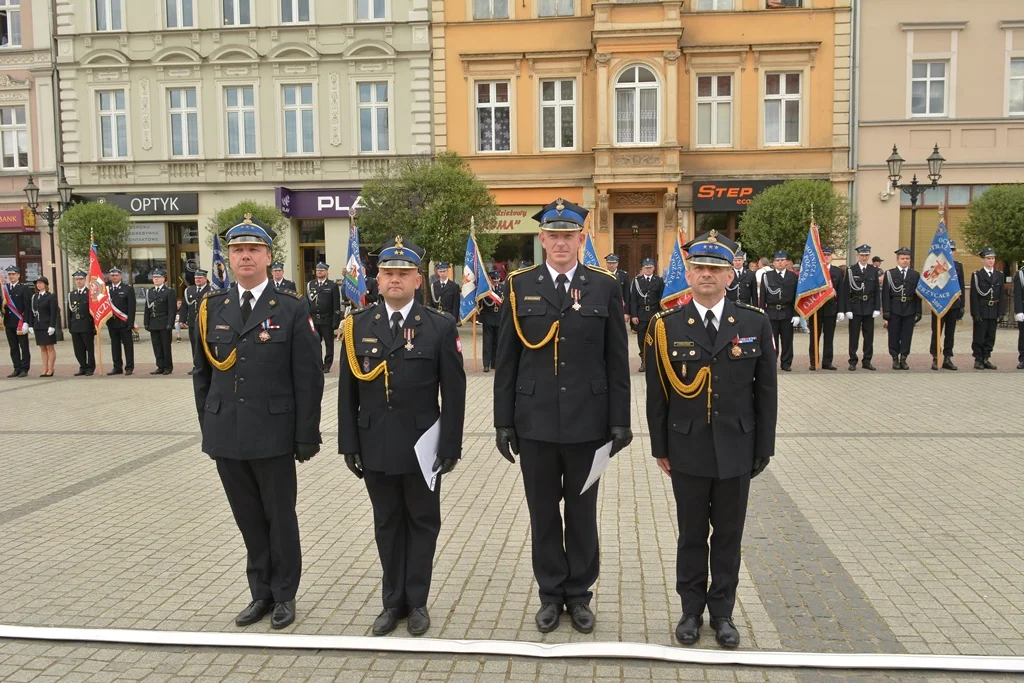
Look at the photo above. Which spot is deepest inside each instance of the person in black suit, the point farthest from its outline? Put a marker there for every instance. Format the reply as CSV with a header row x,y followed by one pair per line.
x,y
561,393
644,301
45,321
158,319
861,299
901,307
949,321
121,324
258,389
325,308
827,316
1018,314
81,326
778,296
401,357
17,316
489,316
279,281
712,407
612,263
189,309
743,287
444,293
988,303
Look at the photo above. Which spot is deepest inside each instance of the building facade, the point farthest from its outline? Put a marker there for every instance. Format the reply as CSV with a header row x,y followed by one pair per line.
x,y
946,74
654,115
27,134
177,109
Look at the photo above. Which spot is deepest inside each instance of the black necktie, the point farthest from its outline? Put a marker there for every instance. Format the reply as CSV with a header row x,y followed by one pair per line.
x,y
709,319
396,324
246,306
560,284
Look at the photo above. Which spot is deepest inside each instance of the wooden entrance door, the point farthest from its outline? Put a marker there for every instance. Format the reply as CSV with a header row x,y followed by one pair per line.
x,y
636,238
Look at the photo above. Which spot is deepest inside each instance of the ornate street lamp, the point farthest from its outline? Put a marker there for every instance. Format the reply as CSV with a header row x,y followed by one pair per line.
x,y
51,215
914,189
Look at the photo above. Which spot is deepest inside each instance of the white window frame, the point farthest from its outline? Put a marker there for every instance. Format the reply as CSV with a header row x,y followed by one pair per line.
x,y
179,10
636,87
113,114
295,12
558,104
108,6
714,100
556,13
184,111
928,80
236,7
12,16
20,133
284,108
509,11
373,107
782,97
240,109
1014,80
715,5
491,105
371,13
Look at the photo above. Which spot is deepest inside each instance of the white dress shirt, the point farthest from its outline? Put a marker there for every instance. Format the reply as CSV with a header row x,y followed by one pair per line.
x,y
716,310
404,310
554,275
257,292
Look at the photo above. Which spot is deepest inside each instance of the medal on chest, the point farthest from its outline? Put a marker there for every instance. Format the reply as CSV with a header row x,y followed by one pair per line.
x,y
409,334
736,351
264,335
576,300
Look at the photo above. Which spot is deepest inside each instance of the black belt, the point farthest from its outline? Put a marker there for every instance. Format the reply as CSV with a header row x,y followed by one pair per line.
x,y
779,307
320,315
864,297
903,299
991,303
647,308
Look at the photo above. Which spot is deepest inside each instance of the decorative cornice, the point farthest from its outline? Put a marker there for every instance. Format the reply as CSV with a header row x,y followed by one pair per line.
x,y
933,25
1011,24
8,83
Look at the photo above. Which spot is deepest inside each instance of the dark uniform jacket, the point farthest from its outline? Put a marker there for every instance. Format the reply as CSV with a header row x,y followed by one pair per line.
x,y
778,294
988,295
161,306
190,303
45,313
383,426
285,286
324,302
831,307
490,310
743,287
860,293
446,297
625,283
899,296
372,291
959,304
741,422
21,296
269,399
123,299
1018,292
645,298
78,316
590,391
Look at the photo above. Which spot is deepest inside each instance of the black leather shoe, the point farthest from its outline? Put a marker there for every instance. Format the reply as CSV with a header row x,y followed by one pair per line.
x,y
903,363
387,621
643,367
853,366
547,617
895,363
978,365
688,628
284,614
1020,366
487,369
987,364
158,371
786,368
419,621
114,372
167,372
829,367
947,364
127,373
812,368
15,373
80,373
192,371
868,366
725,632
89,373
256,610
582,617
23,373
935,364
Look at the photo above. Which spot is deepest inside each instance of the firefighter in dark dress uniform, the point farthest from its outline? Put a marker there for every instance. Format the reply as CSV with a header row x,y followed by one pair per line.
x,y
862,302
644,301
827,316
280,282
612,261
901,307
158,319
490,318
189,309
1018,314
778,296
988,303
81,326
743,287
17,316
949,321
121,324
325,308
444,293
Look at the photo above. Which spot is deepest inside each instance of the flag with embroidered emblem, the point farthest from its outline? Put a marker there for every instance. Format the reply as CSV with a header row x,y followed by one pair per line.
x,y
939,286
355,274
475,283
590,253
814,288
677,288
219,269
99,302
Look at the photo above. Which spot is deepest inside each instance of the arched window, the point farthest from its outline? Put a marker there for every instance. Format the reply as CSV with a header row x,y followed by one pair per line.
x,y
636,107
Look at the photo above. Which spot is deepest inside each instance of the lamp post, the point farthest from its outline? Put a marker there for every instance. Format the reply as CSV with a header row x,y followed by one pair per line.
x,y
914,189
51,215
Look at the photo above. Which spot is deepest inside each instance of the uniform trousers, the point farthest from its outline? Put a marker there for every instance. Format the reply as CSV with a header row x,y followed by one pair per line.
x,y
984,338
122,336
641,333
192,340
826,335
901,334
162,349
862,325
490,345
1020,342
21,357
566,561
723,503
406,522
262,496
326,333
84,344
782,331
948,334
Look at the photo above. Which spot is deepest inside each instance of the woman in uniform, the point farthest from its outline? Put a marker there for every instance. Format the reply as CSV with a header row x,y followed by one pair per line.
x,y
47,318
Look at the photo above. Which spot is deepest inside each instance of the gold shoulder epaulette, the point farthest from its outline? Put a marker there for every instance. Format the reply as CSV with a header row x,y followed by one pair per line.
x,y
599,269
521,270
750,307
361,310
443,314
215,292
290,292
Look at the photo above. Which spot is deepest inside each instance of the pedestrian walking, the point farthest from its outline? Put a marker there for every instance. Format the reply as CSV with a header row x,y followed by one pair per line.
x,y
901,307
17,317
988,304
81,326
45,321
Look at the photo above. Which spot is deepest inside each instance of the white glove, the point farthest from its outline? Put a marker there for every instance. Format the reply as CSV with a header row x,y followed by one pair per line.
x,y
849,314
795,320
50,330
1019,317
875,314
841,317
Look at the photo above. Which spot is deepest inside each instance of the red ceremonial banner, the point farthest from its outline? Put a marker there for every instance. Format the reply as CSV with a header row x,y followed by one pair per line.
x,y
99,301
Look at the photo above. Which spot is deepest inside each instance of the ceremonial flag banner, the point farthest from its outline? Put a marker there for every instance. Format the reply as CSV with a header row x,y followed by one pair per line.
x,y
677,289
355,275
99,303
589,253
815,286
939,286
475,283
219,271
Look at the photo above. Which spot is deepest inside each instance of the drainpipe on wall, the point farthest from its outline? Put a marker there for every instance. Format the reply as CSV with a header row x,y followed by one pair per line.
x,y
851,236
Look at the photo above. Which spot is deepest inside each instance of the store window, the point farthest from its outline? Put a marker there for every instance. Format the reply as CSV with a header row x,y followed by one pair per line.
x,y
22,250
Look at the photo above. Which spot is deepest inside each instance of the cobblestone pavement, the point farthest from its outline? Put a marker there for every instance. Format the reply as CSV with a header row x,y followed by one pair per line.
x,y
885,525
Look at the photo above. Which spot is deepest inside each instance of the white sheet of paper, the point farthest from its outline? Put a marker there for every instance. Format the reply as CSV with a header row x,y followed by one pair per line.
x,y
602,456
426,453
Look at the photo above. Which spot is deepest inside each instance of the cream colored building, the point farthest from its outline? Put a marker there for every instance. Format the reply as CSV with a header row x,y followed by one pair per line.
x,y
176,109
936,73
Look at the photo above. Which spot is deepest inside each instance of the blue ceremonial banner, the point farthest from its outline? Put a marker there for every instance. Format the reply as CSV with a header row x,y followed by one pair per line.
x,y
677,289
939,286
475,283
589,253
814,287
355,275
219,271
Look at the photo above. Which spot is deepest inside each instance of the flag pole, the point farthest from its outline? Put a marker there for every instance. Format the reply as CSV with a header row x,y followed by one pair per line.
x,y
472,232
938,333
815,325
474,340
99,347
